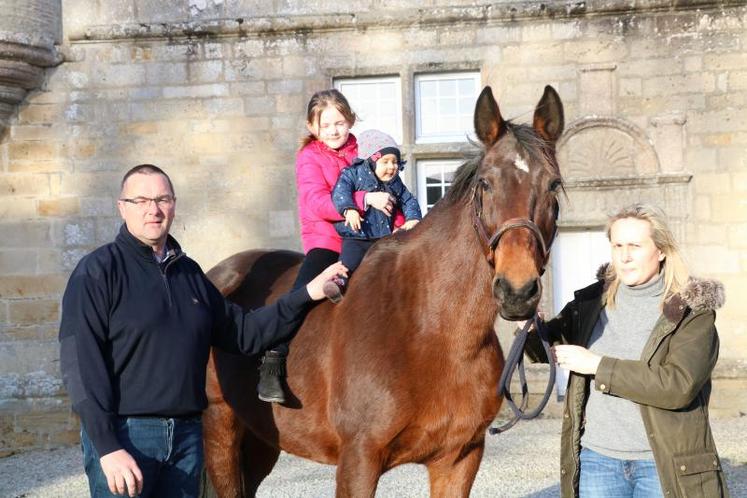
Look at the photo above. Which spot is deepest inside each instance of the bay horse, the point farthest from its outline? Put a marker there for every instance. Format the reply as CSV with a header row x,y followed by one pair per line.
x,y
405,368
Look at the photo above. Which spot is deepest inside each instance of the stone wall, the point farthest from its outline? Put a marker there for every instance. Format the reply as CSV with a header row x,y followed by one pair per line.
x,y
215,91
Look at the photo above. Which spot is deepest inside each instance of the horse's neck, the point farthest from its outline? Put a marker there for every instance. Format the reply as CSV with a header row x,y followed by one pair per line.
x,y
458,273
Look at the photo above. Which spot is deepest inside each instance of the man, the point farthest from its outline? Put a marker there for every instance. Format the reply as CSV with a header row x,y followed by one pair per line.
x,y
138,320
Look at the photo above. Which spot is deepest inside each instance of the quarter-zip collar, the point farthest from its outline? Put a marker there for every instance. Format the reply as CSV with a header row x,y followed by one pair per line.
x,y
126,239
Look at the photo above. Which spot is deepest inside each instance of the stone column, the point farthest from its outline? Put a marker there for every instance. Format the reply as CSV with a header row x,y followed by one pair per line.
x,y
29,31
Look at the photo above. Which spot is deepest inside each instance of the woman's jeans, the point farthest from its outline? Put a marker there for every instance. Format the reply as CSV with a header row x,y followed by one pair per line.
x,y
606,477
167,450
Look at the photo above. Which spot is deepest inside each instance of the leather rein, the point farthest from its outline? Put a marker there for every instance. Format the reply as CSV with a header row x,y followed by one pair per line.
x,y
515,358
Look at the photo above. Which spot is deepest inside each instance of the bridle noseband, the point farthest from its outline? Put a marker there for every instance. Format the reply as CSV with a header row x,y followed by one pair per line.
x,y
491,242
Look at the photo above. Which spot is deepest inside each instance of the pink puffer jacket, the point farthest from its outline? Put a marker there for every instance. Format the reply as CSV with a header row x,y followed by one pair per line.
x,y
317,170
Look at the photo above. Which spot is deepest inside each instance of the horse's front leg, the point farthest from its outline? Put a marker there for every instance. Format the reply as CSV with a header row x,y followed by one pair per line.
x,y
358,469
453,474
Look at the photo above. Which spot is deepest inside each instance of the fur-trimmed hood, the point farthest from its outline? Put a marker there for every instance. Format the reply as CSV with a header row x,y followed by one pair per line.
x,y
700,294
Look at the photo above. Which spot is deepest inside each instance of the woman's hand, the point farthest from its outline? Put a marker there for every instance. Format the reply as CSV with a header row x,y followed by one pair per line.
x,y
576,358
353,219
315,288
382,201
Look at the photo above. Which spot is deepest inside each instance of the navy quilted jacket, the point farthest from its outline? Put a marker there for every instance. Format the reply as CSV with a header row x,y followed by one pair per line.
x,y
360,176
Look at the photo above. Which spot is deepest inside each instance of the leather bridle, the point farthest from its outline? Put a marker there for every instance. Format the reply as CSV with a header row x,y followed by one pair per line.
x,y
490,243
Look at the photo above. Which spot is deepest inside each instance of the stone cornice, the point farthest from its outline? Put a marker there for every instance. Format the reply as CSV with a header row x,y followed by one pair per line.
x,y
485,14
626,181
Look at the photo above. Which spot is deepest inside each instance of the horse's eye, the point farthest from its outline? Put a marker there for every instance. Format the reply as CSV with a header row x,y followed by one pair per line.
x,y
484,184
555,185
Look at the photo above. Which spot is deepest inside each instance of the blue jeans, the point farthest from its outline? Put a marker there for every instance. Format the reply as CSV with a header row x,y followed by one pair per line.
x,y
606,477
168,452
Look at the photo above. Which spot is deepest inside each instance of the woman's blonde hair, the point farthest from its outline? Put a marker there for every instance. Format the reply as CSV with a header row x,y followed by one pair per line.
x,y
320,101
676,274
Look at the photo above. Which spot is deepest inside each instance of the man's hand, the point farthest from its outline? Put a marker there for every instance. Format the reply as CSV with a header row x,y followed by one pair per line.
x,y
122,473
353,219
382,201
315,288
576,358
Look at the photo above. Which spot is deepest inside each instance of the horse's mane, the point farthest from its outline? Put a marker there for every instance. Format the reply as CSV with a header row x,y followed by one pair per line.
x,y
534,145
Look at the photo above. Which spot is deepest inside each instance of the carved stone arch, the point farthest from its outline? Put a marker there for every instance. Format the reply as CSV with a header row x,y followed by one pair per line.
x,y
597,147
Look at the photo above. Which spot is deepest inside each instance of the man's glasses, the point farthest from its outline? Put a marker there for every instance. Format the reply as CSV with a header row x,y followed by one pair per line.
x,y
164,201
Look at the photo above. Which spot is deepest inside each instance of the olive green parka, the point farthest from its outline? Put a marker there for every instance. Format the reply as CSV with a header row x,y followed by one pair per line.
x,y
671,383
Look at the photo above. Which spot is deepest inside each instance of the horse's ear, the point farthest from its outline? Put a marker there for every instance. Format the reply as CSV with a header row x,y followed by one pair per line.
x,y
488,119
548,116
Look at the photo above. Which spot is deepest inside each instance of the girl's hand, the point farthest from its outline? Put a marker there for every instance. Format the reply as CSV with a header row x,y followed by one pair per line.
x,y
382,201
353,219
315,288
576,358
409,224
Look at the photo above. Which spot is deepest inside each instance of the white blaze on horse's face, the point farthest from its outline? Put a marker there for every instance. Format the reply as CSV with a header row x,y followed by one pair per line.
x,y
521,164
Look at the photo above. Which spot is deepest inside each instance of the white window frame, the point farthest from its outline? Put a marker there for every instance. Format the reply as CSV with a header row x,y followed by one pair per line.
x,y
575,256
448,135
422,167
395,128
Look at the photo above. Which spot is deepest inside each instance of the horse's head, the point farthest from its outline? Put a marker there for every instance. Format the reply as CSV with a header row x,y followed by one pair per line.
x,y
514,198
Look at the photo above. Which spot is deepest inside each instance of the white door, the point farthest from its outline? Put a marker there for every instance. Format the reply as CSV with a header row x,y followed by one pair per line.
x,y
576,256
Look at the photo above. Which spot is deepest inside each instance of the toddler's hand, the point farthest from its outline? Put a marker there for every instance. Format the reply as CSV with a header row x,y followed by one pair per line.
x,y
353,219
409,224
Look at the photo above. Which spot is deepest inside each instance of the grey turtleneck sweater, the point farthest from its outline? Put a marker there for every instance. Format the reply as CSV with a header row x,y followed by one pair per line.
x,y
614,427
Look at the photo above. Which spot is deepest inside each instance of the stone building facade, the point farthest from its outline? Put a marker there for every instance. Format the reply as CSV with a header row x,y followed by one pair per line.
x,y
214,91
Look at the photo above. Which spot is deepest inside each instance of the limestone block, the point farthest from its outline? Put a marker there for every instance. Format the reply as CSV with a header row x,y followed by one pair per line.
x,y
729,209
536,53
73,232
242,69
43,132
228,107
720,260
205,71
285,86
282,223
259,105
40,113
629,87
31,312
680,83
27,234
118,74
31,286
248,88
595,51
722,61
32,151
66,206
166,73
501,34
13,207
107,229
97,206
196,91
737,235
712,183
71,257
16,261
221,51
290,103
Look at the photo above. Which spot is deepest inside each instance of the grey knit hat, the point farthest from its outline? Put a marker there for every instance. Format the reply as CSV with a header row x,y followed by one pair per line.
x,y
372,144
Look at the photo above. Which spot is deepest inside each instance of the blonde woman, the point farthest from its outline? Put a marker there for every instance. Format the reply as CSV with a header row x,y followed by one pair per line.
x,y
640,345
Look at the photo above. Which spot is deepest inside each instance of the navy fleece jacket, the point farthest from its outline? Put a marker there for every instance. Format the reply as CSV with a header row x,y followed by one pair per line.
x,y
135,334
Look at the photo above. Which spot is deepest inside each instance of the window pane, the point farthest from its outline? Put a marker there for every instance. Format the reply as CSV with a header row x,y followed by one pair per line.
x,y
434,180
444,107
377,102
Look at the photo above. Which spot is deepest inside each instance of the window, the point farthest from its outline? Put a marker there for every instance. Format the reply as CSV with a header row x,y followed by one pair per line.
x,y
576,255
444,105
434,179
377,102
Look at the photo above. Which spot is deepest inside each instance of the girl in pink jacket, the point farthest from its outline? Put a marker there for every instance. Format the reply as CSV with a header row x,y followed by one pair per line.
x,y
325,151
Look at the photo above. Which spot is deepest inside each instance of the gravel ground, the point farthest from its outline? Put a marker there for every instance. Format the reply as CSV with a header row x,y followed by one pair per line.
x,y
522,462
